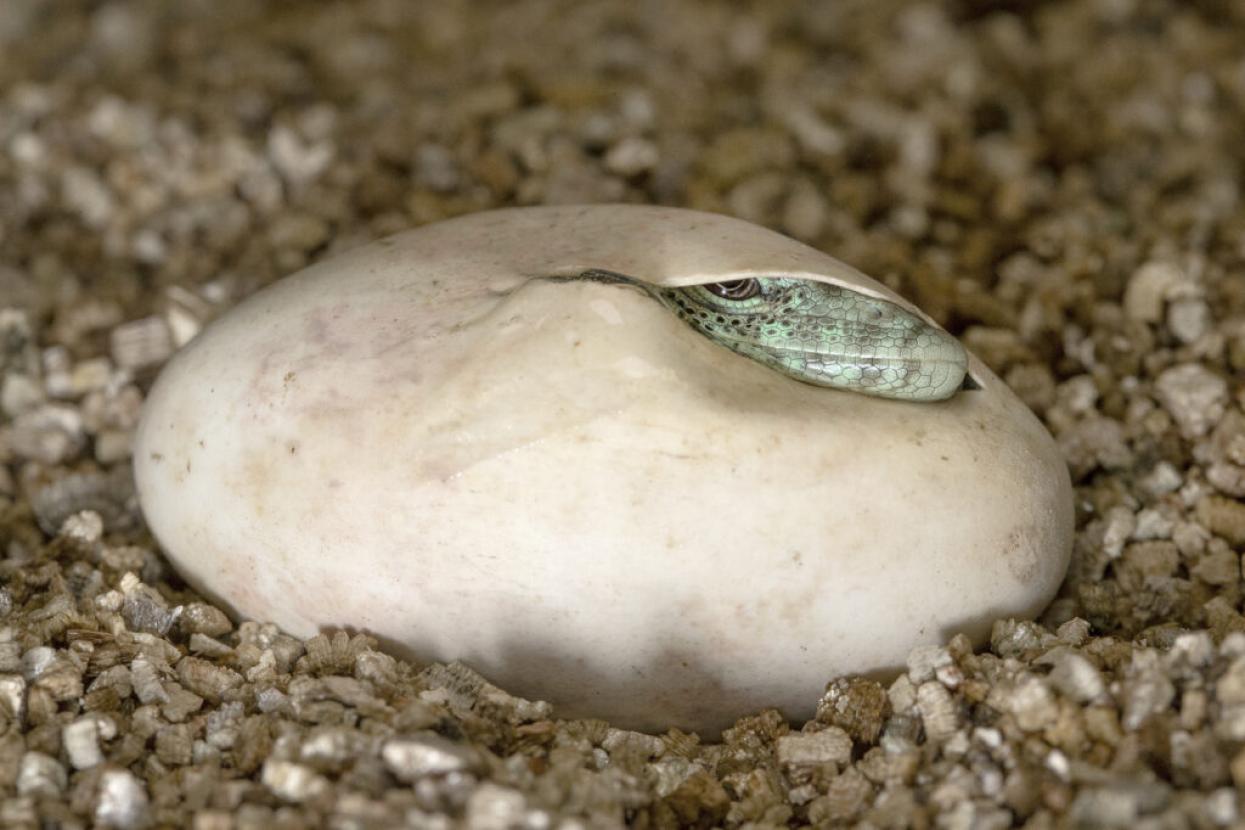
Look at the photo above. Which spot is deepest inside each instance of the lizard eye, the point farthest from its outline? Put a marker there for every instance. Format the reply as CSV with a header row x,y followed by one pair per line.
x,y
735,289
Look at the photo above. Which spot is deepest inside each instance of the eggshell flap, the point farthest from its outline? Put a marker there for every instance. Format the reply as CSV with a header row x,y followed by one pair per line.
x,y
569,489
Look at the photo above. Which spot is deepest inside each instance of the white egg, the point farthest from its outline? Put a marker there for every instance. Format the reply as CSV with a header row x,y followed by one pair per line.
x,y
565,486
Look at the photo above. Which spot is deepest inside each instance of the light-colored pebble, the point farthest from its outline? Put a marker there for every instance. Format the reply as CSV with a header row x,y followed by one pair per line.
x,y
48,434
141,344
938,710
292,782
19,393
13,696
493,807
1077,678
1188,319
631,156
1194,396
122,801
828,746
81,741
41,775
1151,286
423,755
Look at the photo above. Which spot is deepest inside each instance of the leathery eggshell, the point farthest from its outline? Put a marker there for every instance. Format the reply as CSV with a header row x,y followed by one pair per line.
x,y
570,490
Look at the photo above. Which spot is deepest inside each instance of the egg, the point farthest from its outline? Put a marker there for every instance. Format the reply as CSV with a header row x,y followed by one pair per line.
x,y
455,441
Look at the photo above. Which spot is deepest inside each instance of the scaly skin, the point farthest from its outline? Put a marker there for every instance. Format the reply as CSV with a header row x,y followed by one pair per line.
x,y
819,333
825,335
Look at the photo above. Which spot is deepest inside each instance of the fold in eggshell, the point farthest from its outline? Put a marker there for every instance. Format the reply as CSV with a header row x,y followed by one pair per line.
x,y
566,487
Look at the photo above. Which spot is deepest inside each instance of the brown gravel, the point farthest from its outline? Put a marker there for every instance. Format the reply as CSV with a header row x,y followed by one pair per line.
x,y
1058,182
